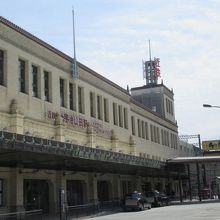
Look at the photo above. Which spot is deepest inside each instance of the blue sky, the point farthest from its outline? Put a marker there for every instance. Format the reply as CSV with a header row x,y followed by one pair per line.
x,y
112,39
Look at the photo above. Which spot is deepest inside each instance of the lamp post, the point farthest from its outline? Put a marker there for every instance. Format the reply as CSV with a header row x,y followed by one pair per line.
x,y
210,106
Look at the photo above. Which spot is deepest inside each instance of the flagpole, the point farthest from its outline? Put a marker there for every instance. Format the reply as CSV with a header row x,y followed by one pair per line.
x,y
149,50
74,69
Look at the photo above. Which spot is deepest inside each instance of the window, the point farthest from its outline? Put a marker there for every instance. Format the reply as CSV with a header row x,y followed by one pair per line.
x,y
22,70
46,86
139,127
168,142
81,100
1,192
62,102
92,104
71,98
146,131
162,137
125,118
133,125
155,134
34,81
158,136
167,108
1,67
115,114
171,108
151,132
106,111
120,116
143,129
99,107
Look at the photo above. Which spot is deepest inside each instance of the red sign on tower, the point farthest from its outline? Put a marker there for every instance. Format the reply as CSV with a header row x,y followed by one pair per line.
x,y
156,66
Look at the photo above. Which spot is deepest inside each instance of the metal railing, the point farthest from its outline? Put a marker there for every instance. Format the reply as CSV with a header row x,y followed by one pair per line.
x,y
24,215
92,208
82,210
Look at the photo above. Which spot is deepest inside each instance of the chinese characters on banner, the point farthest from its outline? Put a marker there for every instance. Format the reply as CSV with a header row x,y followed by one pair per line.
x,y
80,122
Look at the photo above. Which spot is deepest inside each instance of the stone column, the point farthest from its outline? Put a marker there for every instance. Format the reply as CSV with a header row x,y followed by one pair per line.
x,y
163,183
114,141
90,136
116,187
137,183
60,129
60,184
16,190
17,118
132,146
92,188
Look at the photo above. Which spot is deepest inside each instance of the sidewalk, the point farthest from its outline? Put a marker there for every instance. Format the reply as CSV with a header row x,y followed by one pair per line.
x,y
57,217
194,201
172,203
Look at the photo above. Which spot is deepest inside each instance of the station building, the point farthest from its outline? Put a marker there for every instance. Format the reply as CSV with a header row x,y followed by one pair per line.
x,y
85,135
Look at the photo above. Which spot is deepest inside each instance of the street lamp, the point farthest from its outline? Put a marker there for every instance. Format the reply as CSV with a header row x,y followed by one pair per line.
x,y
210,106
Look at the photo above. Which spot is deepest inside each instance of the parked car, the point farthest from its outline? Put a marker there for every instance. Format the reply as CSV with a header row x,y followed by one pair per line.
x,y
135,201
165,200
157,199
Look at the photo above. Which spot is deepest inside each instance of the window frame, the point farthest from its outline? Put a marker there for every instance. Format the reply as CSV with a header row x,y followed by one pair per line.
x,y
2,67
22,75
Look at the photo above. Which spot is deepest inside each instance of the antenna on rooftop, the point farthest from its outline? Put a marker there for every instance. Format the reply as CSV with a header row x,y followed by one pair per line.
x,y
75,73
149,50
151,69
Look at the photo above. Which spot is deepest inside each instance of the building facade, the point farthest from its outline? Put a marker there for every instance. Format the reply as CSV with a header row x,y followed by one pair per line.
x,y
43,107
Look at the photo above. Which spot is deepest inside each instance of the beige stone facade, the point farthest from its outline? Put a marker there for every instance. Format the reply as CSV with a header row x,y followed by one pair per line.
x,y
40,98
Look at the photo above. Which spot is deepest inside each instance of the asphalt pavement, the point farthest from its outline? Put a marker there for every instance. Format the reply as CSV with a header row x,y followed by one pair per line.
x,y
191,210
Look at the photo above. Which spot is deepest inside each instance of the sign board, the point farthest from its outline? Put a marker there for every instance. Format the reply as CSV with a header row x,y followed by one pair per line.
x,y
211,145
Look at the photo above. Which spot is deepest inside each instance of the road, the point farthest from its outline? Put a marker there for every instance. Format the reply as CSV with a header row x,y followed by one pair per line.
x,y
200,211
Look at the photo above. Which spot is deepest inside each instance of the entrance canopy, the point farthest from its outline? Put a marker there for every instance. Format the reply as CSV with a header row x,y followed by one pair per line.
x,y
24,151
200,159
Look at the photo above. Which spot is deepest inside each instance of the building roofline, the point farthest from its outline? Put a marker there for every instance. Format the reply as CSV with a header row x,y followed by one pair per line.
x,y
56,51
34,38
147,86
70,59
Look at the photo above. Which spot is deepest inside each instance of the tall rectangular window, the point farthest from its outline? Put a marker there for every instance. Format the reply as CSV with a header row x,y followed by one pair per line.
x,y
99,107
146,131
1,192
139,127
125,118
162,137
115,114
92,104
152,132
80,100
1,67
168,141
71,98
158,136
120,116
133,125
143,129
155,134
34,81
22,71
62,101
106,110
46,86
